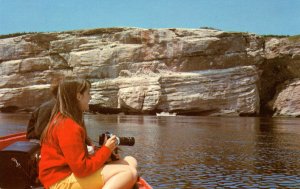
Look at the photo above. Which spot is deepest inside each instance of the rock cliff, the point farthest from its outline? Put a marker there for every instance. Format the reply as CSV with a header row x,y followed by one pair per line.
x,y
143,71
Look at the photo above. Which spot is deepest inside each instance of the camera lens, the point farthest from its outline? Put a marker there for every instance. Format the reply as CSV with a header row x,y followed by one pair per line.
x,y
125,141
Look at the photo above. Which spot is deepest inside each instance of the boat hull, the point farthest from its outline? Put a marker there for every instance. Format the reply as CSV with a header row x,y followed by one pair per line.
x,y
10,139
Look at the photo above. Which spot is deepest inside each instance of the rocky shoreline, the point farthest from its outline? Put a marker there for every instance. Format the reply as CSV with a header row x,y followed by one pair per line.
x,y
144,71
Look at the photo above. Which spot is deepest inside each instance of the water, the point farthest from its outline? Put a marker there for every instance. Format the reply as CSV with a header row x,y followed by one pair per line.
x,y
202,152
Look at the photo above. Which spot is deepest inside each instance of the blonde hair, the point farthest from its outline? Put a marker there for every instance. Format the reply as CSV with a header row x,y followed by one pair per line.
x,y
67,105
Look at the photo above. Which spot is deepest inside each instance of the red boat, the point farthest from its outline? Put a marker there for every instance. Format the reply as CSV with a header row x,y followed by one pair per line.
x,y
8,140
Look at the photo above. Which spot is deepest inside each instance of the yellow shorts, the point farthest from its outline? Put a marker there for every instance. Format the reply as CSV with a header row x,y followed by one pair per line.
x,y
93,181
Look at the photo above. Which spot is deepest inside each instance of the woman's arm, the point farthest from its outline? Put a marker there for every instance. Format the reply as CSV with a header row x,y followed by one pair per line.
x,y
71,141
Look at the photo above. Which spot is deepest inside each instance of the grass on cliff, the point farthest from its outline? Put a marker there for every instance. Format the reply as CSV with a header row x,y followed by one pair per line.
x,y
100,31
293,38
87,32
15,34
96,31
209,28
276,36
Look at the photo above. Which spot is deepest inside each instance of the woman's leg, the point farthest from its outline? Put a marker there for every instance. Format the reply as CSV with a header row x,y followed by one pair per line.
x,y
118,176
131,161
127,160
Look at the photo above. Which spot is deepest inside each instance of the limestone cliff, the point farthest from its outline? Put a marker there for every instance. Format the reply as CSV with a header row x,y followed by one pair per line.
x,y
135,70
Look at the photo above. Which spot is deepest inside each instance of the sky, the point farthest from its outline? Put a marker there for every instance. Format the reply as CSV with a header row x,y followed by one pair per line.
x,y
262,17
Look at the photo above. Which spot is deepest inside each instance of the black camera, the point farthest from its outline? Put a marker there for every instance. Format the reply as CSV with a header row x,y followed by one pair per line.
x,y
125,141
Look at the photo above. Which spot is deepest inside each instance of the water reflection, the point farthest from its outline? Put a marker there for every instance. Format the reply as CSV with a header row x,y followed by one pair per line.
x,y
277,152
206,152
12,123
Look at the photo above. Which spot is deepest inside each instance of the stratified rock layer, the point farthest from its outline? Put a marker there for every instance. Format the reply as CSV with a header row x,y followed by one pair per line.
x,y
231,91
134,70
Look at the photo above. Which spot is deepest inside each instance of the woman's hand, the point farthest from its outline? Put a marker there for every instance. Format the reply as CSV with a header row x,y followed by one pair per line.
x,y
111,143
115,156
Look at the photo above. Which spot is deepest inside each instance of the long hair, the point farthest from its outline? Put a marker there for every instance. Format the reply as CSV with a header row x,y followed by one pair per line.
x,y
67,105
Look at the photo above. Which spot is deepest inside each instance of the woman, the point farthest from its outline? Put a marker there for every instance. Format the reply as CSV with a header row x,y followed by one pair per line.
x,y
65,162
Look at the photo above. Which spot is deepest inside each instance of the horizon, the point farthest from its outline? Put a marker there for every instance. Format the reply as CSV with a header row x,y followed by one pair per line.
x,y
87,29
267,17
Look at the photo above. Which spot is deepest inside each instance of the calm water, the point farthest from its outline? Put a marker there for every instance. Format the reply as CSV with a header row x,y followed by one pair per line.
x,y
202,152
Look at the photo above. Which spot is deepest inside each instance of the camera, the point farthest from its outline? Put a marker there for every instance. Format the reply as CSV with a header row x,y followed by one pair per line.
x,y
125,141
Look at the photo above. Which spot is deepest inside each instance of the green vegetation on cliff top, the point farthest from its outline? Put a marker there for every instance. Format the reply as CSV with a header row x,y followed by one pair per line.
x,y
98,31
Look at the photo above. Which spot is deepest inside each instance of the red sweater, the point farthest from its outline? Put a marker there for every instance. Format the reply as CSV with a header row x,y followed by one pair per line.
x,y
68,154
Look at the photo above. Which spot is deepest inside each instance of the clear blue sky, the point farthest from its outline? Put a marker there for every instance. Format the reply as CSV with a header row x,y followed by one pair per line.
x,y
279,17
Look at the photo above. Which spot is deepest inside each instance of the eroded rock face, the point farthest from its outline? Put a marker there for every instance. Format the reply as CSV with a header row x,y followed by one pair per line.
x,y
287,100
25,98
281,66
197,71
231,91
